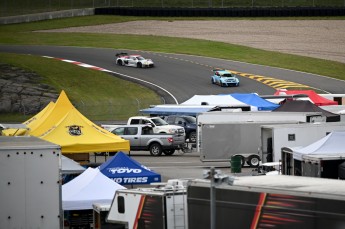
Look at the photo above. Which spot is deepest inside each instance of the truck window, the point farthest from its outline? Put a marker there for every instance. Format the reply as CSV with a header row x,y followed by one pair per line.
x,y
119,131
131,131
135,121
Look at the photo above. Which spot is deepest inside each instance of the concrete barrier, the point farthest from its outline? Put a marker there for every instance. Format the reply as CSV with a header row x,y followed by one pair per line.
x,y
47,16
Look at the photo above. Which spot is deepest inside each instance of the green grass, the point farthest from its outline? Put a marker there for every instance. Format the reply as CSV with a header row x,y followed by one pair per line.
x,y
99,96
22,34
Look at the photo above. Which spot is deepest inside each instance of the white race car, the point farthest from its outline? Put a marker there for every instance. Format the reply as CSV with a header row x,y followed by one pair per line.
x,y
138,61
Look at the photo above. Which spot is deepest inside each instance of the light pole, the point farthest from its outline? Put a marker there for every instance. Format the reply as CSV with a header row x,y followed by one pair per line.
x,y
216,178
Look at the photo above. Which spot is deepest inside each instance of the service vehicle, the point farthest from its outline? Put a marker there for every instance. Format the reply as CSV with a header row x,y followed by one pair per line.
x,y
160,207
224,78
268,202
187,122
138,61
157,123
142,138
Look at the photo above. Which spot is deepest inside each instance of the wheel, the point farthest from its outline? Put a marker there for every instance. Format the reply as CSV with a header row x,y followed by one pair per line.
x,y
119,62
169,152
253,161
212,81
192,136
139,65
156,149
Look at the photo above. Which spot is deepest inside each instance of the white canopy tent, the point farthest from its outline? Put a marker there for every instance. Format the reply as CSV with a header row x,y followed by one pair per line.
x,y
215,100
88,188
331,146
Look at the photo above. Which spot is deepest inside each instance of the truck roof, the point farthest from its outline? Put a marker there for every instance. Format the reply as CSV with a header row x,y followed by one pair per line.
x,y
289,185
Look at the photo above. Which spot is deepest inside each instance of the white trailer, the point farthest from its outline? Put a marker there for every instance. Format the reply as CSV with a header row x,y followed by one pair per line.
x,y
162,207
221,141
274,137
30,184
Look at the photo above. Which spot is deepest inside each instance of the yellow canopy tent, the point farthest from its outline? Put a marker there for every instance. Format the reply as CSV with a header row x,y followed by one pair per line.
x,y
64,125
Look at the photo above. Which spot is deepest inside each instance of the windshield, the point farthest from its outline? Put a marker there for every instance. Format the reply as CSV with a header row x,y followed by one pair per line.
x,y
190,119
140,58
159,122
227,75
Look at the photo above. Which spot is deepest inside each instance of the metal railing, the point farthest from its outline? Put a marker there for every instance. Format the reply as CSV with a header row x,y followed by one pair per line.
x,y
23,7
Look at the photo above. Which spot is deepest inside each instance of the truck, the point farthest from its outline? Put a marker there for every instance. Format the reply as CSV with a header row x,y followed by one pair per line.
x,y
185,121
157,123
221,134
142,138
275,137
278,202
160,207
30,174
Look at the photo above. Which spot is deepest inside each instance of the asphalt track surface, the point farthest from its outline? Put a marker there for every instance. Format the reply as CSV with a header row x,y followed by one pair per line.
x,y
183,76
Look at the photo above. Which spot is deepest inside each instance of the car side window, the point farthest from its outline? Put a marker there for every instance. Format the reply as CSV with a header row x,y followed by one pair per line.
x,y
119,131
131,131
135,121
179,121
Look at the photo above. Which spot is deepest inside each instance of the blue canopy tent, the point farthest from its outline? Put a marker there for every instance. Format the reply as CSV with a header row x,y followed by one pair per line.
x,y
256,101
127,171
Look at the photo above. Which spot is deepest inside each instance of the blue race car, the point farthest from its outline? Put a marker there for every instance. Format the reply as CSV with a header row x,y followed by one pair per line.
x,y
224,78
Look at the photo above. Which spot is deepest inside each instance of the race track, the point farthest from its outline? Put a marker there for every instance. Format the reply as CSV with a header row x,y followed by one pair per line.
x,y
184,76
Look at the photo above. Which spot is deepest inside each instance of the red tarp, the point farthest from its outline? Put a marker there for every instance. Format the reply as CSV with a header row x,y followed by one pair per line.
x,y
314,97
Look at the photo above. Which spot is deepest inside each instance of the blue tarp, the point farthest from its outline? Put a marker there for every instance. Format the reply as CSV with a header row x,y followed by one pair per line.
x,y
176,110
256,101
127,171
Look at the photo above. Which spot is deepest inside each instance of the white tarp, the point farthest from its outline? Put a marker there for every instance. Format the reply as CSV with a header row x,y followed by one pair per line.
x,y
330,146
215,100
69,166
88,188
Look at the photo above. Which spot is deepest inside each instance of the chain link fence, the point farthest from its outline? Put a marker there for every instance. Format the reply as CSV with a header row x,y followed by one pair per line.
x,y
23,7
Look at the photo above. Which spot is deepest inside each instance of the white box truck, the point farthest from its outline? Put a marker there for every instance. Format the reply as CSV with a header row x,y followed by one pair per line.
x,y
30,184
274,137
161,207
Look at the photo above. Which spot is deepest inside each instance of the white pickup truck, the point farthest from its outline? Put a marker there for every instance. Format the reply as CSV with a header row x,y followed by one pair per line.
x,y
158,125
142,138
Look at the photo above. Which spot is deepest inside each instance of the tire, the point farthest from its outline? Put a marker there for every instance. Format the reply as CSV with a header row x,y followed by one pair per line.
x,y
139,65
192,136
155,149
254,161
169,152
212,81
119,62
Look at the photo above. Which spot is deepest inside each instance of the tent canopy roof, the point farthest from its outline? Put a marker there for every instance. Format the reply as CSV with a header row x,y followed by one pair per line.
x,y
306,106
330,146
84,190
315,98
127,171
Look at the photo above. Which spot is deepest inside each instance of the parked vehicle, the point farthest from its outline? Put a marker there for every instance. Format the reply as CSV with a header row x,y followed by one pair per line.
x,y
161,207
268,202
141,137
224,78
123,59
157,123
187,122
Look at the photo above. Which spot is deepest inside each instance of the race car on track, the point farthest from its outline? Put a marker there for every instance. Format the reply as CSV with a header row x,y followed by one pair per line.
x,y
138,61
224,78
